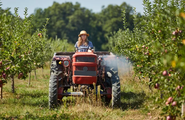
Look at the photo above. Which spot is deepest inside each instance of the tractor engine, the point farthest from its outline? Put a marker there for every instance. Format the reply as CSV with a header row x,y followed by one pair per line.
x,y
84,68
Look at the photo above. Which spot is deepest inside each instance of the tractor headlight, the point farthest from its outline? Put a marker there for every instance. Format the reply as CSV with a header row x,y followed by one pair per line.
x,y
66,63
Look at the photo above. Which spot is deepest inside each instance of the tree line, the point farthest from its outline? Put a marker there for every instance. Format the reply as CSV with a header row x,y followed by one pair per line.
x,y
66,20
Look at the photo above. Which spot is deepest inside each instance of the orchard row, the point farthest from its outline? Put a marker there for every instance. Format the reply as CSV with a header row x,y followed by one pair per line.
x,y
156,49
20,52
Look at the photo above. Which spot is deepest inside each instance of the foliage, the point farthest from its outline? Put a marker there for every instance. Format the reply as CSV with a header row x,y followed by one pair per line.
x,y
155,47
60,45
20,52
67,20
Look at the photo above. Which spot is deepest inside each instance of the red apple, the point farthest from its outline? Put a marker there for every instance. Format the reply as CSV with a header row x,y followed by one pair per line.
x,y
4,75
156,86
178,87
20,75
170,118
40,34
167,103
146,53
174,103
170,99
7,68
165,73
173,33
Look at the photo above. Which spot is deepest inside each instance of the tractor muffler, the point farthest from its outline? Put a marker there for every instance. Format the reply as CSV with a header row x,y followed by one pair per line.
x,y
73,94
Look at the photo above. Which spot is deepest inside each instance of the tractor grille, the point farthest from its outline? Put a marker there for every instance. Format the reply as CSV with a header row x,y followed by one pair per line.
x,y
85,59
85,71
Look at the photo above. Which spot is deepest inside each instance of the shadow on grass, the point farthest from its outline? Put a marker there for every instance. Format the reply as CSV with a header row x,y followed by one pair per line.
x,y
33,94
29,116
34,98
132,100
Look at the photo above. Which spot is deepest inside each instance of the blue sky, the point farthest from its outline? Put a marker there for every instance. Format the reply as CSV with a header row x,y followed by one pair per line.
x,y
94,5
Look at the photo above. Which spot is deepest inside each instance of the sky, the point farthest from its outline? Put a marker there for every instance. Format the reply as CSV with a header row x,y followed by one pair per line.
x,y
94,5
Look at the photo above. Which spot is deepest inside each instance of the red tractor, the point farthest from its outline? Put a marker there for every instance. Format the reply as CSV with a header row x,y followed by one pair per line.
x,y
73,69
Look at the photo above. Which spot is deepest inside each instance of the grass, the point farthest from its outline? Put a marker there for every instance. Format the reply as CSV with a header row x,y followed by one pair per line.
x,y
31,102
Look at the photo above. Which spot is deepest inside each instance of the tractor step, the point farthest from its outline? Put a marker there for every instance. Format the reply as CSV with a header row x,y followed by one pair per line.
x,y
73,94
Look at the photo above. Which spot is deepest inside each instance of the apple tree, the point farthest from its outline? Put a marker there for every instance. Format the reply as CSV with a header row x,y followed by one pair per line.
x,y
156,49
20,51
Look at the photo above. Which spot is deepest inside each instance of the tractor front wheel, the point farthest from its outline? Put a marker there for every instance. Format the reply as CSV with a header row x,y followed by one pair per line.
x,y
53,89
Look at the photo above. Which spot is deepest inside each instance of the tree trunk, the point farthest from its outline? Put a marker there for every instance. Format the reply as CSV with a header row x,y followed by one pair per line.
x,y
2,92
13,88
35,74
29,79
182,110
42,71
